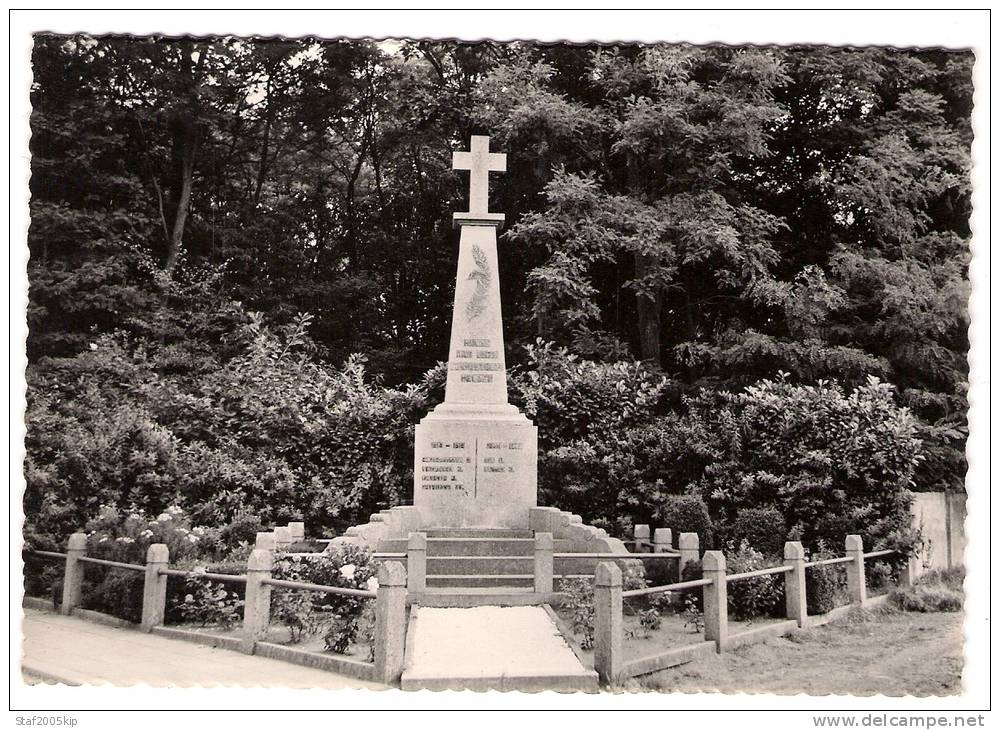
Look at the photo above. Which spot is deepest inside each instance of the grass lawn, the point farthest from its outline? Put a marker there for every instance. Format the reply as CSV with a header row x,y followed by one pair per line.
x,y
885,651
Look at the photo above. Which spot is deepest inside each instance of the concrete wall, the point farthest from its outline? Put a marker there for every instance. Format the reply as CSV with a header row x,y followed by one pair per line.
x,y
940,516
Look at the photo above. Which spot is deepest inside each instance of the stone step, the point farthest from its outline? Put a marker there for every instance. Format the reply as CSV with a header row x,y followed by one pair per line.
x,y
519,546
476,532
505,580
497,580
469,597
487,546
479,565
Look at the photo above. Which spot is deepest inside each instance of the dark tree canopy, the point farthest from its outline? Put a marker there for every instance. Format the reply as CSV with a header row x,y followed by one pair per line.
x,y
723,215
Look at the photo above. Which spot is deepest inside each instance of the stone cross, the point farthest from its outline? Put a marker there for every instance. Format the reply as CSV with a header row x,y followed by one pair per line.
x,y
475,460
480,162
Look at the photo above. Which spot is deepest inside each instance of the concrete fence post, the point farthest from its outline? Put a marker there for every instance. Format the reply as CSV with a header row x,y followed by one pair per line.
x,y
257,604
154,588
910,571
297,531
855,569
713,567
265,541
282,538
544,547
608,658
73,575
416,563
688,547
641,535
663,539
390,622
795,583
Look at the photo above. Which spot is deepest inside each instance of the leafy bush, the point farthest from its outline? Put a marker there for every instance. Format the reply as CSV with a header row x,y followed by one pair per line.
x,y
660,572
879,575
693,613
579,604
43,578
694,597
832,463
649,619
209,603
934,591
687,513
125,537
263,435
826,585
753,597
763,528
927,598
583,410
338,618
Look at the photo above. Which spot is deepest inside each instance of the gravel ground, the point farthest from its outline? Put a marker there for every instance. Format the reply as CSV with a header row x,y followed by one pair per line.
x,y
886,652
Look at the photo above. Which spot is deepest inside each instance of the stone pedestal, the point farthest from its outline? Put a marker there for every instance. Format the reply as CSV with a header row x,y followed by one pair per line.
x,y
475,469
475,454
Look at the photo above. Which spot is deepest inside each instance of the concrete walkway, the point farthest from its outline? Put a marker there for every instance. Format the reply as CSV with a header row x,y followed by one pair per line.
x,y
491,647
74,651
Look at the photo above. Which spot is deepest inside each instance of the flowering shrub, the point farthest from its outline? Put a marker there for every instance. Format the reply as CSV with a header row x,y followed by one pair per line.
x,y
339,618
124,536
692,614
753,597
649,619
209,602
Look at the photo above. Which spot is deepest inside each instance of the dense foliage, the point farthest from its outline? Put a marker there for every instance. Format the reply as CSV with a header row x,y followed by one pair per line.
x,y
713,253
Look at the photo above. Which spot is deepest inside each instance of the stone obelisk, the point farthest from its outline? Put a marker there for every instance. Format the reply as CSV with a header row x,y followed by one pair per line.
x,y
476,456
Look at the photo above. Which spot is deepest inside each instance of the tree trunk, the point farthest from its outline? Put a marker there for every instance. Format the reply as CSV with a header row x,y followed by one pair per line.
x,y
265,144
185,147
648,310
188,141
647,306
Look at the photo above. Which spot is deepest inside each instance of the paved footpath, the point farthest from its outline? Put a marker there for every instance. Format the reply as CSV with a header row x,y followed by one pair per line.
x,y
74,651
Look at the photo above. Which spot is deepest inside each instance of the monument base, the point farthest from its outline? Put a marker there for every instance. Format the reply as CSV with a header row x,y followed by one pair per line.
x,y
475,466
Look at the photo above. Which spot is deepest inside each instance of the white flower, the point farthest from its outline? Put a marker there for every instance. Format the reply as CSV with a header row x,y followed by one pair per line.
x,y
199,569
103,539
146,533
198,530
135,516
175,510
188,598
192,538
164,518
372,583
347,571
93,345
